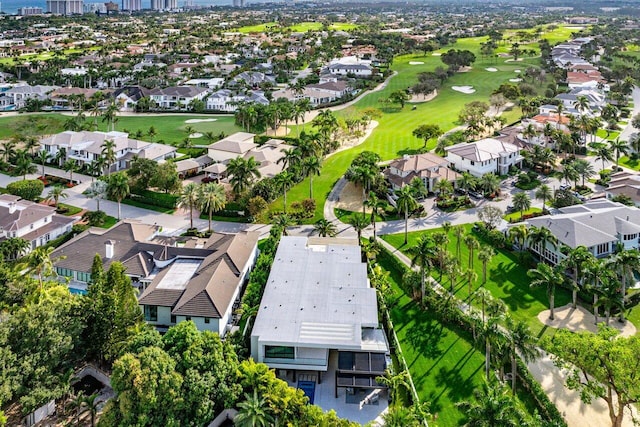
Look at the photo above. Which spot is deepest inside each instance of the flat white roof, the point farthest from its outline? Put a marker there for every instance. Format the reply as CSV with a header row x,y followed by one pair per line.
x,y
317,295
179,274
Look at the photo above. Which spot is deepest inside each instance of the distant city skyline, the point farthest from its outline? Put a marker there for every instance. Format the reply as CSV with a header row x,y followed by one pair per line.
x,y
12,6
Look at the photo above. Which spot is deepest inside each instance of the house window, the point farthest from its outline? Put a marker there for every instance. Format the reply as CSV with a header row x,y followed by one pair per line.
x,y
150,313
173,318
472,163
630,236
188,318
207,320
602,248
279,352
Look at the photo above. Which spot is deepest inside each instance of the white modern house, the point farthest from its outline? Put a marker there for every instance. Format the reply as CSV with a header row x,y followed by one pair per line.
x,y
178,97
318,304
487,155
359,70
33,222
227,100
18,96
599,225
85,147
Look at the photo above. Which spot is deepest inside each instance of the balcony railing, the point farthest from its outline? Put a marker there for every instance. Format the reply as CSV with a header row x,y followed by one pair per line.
x,y
298,361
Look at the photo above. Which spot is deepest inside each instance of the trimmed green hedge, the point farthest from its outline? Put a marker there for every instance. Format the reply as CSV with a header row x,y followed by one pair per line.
x,y
167,201
29,189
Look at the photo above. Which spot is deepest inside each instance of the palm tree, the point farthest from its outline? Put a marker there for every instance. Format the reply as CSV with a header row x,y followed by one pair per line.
x,y
399,416
70,166
521,202
242,172
458,232
618,147
490,183
492,406
441,240
421,255
290,159
92,406
625,264
609,297
545,276
43,157
363,176
109,153
30,144
97,190
326,228
311,166
8,149
24,166
212,198
39,262
55,194
405,203
485,255
471,277
541,236
395,382
521,342
577,259
603,153
189,198
545,193
377,206
569,174
151,133
253,412
283,181
472,244
519,235
466,181
118,188
359,223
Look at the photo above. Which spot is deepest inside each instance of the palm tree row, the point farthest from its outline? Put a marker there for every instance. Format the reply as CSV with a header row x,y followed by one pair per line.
x,y
209,197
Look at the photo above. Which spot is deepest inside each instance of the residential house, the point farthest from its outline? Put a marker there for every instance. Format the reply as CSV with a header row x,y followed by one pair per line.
x,y
624,184
319,314
428,167
177,97
17,96
37,224
358,70
487,155
85,147
226,100
127,97
596,100
317,94
179,278
253,78
599,225
212,83
241,144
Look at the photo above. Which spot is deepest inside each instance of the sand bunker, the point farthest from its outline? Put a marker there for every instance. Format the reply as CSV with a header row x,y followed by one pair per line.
x,y
195,135
436,54
515,80
517,71
416,63
464,89
491,69
200,120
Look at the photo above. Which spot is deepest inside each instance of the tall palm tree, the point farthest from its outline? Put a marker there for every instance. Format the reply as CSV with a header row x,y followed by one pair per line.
x,y
577,259
492,406
490,183
212,198
519,235
543,237
377,206
549,278
363,176
97,190
326,228
39,262
359,223
521,342
242,173
603,153
395,382
290,159
118,188
109,153
8,149
405,204
521,202
24,166
189,198
421,255
609,297
92,406
458,232
544,193
619,147
70,166
472,244
284,180
253,412
485,255
43,157
311,166
625,264
282,222
55,194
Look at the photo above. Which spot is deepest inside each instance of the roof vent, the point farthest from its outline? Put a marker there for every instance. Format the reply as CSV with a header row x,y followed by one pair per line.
x,y
109,249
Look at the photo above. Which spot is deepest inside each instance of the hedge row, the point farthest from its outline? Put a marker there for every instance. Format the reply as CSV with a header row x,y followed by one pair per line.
x,y
162,200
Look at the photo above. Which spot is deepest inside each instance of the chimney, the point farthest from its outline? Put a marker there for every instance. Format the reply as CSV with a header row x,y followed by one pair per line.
x,y
109,247
12,207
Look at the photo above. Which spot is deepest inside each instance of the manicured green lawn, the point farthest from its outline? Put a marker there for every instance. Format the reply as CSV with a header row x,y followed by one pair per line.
x,y
603,133
109,222
147,206
392,138
443,362
170,128
345,216
630,163
301,27
69,210
516,215
506,279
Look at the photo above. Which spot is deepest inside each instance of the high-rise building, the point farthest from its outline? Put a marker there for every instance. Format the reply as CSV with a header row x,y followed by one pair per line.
x,y
65,7
164,4
29,11
132,5
238,3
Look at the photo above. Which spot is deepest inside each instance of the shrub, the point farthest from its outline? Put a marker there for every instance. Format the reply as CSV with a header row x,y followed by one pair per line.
x,y
256,206
29,189
167,201
308,207
95,218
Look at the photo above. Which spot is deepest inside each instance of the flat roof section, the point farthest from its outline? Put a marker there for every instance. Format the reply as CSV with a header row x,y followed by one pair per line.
x,y
179,274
